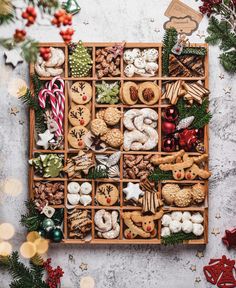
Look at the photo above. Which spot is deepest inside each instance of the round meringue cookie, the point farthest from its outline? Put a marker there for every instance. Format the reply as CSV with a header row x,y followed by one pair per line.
x,y
85,200
129,70
73,188
165,231
86,188
165,220
129,56
140,63
176,215
197,218
186,216
175,226
187,226
151,68
150,55
139,71
198,229
73,199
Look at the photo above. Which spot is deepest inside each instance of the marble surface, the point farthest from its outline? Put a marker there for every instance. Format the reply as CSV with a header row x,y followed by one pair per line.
x,y
125,266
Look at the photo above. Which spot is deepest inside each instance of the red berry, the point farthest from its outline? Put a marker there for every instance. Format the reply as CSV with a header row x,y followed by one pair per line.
x,y
30,10
24,15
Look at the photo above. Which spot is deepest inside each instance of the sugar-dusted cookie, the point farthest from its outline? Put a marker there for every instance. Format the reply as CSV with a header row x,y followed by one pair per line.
x,y
129,93
112,116
75,137
79,115
149,93
81,92
107,194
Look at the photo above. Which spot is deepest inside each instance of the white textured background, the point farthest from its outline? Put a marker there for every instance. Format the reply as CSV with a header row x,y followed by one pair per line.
x,y
126,266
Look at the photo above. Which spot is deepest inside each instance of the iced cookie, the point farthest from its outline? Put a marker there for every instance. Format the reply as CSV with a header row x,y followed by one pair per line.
x,y
129,93
149,93
75,137
81,92
112,116
79,115
107,194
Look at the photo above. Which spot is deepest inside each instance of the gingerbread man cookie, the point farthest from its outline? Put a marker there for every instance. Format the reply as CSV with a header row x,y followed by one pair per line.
x,y
79,115
107,194
81,92
75,137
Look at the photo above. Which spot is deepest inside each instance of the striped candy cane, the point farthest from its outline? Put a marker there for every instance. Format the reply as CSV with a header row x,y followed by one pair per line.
x,y
54,89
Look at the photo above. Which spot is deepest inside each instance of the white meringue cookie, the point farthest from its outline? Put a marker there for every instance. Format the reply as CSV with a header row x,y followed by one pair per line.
x,y
197,218
151,67
140,63
86,188
165,220
198,229
187,226
186,216
73,187
165,231
175,226
139,71
73,199
85,200
129,70
150,55
136,52
176,215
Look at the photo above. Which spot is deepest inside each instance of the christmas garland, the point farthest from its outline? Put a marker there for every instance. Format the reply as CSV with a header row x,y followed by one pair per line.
x,y
159,175
96,173
177,238
222,31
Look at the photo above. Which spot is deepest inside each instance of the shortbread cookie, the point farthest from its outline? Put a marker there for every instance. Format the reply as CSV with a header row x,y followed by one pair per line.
x,y
129,93
81,92
107,194
98,127
75,137
112,116
149,93
79,115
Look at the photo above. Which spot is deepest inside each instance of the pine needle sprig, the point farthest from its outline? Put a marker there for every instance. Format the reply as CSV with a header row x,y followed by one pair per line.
x,y
201,116
159,175
177,238
169,40
96,173
200,51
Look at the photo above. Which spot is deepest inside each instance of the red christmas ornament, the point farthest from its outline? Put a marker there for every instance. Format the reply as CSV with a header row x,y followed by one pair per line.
x,y
67,34
168,127
230,238
171,114
169,144
188,139
221,272
19,35
30,15
45,53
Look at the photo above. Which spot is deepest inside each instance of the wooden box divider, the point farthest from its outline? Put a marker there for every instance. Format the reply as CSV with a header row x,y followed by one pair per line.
x,y
67,151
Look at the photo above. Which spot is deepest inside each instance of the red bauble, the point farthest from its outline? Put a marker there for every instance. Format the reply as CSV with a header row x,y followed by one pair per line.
x,y
169,144
168,127
188,139
171,113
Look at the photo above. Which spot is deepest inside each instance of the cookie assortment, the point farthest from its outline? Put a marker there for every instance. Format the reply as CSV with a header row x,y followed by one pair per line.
x,y
125,161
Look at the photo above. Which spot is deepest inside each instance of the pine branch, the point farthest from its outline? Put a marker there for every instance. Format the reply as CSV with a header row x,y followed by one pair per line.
x,y
95,173
177,238
228,61
32,219
169,40
6,19
158,175
201,51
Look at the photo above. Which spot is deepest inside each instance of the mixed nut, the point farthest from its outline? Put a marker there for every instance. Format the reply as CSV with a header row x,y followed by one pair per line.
x,y
51,193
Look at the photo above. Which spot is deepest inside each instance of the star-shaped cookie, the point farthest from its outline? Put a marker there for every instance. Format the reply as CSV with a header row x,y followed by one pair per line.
x,y
13,57
199,254
44,138
83,266
14,111
133,191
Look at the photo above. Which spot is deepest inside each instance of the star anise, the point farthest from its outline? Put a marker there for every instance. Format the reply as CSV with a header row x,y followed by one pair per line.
x,y
96,142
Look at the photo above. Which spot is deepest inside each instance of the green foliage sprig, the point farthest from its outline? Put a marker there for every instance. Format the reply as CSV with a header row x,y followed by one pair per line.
x,y
177,238
159,175
23,276
96,173
200,51
169,40
220,33
201,116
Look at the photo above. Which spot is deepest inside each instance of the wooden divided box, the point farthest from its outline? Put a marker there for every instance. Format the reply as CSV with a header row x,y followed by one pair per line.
x,y
134,165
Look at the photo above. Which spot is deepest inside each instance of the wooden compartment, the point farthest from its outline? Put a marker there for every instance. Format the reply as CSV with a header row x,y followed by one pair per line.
x,y
121,182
